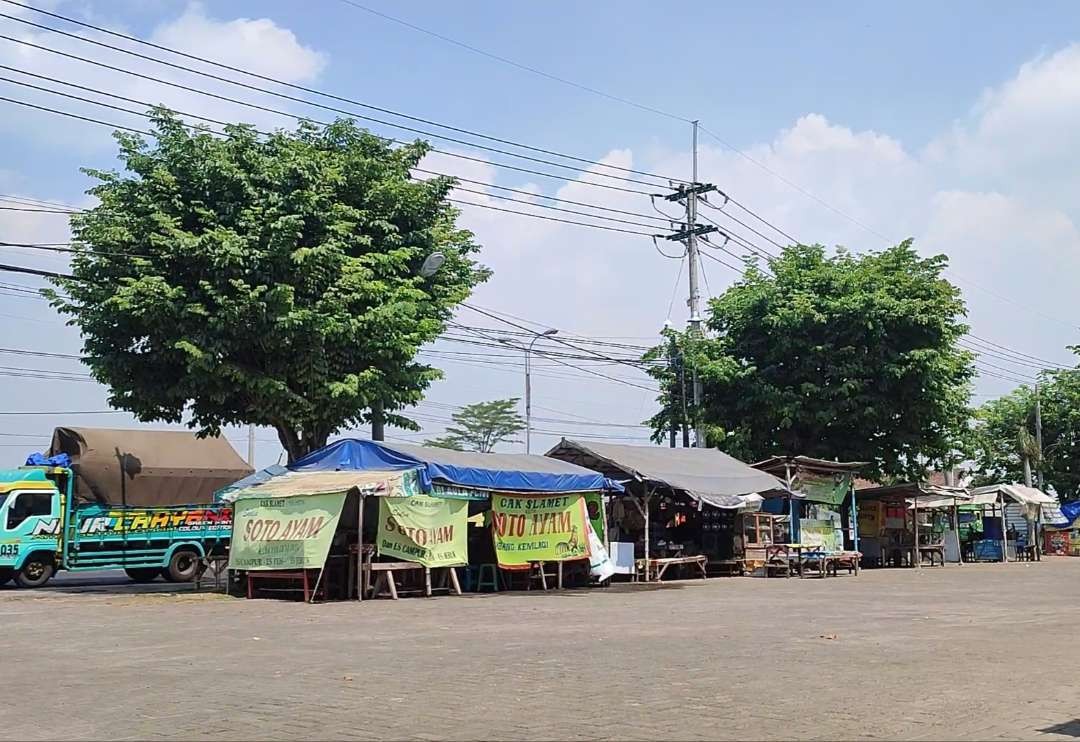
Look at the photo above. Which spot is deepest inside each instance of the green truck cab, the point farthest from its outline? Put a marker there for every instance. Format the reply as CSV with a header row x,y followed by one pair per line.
x,y
115,506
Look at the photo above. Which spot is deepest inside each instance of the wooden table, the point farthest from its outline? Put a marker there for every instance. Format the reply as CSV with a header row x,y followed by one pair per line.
x,y
655,568
782,554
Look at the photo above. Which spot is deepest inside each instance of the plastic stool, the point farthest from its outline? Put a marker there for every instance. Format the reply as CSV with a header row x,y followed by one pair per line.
x,y
487,575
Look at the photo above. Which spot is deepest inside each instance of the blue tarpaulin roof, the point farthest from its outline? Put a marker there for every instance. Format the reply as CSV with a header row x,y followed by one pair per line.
x,y
492,471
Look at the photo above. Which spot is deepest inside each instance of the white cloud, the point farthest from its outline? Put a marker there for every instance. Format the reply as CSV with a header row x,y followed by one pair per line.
x,y
997,193
256,45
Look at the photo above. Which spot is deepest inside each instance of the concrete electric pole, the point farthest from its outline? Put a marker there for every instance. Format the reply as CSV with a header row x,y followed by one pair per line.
x,y
687,195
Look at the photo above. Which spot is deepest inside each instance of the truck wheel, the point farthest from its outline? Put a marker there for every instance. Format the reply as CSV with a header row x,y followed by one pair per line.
x,y
37,570
183,566
143,574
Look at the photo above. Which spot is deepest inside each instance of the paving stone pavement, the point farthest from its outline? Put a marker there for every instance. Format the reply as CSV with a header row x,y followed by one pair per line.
x,y
962,652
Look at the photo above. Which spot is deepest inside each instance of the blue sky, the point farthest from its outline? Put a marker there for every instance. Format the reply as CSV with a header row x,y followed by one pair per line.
x,y
950,122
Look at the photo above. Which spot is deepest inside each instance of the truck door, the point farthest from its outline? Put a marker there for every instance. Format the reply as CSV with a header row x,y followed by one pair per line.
x,y
29,523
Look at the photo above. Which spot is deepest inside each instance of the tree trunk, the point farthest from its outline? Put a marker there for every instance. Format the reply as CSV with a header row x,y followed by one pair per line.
x,y
289,441
297,446
377,422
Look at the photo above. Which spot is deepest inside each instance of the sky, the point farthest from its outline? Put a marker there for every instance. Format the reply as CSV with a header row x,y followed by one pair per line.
x,y
854,124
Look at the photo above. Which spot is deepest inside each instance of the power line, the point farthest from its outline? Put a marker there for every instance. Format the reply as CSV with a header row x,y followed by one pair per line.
x,y
1010,350
285,96
556,208
464,203
549,218
331,96
61,413
519,65
784,180
222,123
579,368
540,195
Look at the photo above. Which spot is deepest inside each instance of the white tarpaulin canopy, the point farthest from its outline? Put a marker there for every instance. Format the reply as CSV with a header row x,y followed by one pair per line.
x,y
1016,492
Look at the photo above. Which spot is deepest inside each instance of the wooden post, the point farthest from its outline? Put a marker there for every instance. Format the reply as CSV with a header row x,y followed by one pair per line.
x,y
956,529
1004,535
793,526
916,558
360,547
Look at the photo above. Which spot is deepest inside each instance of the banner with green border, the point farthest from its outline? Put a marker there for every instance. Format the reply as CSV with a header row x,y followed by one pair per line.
x,y
594,506
284,532
427,530
827,488
534,529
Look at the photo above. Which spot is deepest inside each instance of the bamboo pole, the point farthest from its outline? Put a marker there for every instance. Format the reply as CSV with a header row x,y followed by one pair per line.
x,y
916,557
1004,536
956,530
360,547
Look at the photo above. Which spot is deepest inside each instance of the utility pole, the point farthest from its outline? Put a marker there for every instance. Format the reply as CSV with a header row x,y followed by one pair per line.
x,y
672,368
687,195
1038,440
251,445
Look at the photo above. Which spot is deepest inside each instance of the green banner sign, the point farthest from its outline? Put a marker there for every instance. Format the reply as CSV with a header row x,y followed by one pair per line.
x,y
594,506
427,530
284,532
827,488
534,529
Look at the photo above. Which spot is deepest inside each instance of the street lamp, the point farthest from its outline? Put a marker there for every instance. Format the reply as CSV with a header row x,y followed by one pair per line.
x,y
528,386
428,268
431,264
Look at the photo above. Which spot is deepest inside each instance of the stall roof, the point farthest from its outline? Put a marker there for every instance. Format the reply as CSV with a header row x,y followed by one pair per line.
x,y
777,465
1015,492
911,490
489,471
705,474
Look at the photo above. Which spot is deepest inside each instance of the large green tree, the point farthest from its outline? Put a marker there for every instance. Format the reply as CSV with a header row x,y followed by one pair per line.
x,y
482,426
272,280
843,356
1005,431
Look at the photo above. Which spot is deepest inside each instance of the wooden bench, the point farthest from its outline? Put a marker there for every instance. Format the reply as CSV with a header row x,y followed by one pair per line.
x,y
306,578
730,567
848,559
654,569
384,578
932,550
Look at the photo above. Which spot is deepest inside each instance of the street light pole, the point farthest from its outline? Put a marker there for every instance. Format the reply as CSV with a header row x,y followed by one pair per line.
x,y
528,387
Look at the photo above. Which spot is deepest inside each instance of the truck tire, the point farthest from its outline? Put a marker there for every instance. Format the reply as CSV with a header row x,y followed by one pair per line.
x,y
183,566
143,574
36,571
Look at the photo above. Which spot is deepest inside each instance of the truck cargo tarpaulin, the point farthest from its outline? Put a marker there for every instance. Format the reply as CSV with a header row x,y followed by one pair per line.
x,y
147,468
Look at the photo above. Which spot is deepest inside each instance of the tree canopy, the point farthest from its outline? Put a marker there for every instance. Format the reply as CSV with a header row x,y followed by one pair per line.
x,y
260,279
482,426
844,356
1005,430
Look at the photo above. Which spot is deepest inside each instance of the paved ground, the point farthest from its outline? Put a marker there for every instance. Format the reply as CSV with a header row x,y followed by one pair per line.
x,y
975,652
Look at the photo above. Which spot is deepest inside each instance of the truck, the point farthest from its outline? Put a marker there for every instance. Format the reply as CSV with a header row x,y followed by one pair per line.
x,y
141,501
